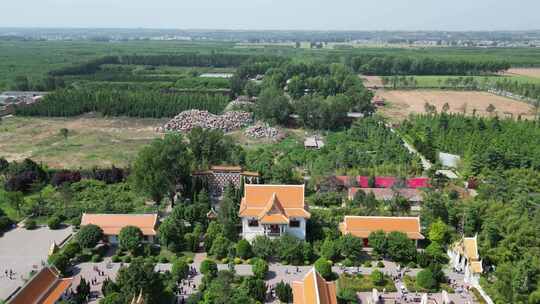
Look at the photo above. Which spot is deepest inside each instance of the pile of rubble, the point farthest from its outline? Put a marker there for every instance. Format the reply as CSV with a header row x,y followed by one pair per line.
x,y
226,122
262,130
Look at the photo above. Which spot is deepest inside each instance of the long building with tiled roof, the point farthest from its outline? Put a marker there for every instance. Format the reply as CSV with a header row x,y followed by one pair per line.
x,y
314,289
464,257
273,210
363,226
45,287
111,224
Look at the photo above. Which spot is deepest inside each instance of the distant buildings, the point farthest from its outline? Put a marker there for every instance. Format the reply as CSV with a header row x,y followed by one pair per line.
x,y
314,289
363,226
273,210
45,287
9,100
111,224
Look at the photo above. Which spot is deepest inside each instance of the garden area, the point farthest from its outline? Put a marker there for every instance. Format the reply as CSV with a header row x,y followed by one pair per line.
x,y
360,283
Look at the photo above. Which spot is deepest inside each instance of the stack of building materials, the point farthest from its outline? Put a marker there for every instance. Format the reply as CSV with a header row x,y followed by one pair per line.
x,y
262,130
229,121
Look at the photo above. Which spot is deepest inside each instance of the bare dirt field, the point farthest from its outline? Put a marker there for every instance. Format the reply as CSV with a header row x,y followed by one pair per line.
x,y
372,81
401,103
531,72
92,141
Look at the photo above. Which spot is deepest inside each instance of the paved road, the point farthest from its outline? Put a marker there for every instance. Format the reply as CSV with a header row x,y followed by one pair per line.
x,y
24,250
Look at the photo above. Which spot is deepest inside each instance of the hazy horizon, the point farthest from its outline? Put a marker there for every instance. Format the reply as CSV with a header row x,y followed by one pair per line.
x,y
315,15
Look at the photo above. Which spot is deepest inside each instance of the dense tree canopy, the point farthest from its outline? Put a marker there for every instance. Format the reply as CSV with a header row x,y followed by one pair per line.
x,y
373,64
163,166
484,143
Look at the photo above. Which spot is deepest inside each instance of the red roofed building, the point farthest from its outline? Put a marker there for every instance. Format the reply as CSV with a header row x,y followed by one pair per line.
x,y
418,182
385,181
46,287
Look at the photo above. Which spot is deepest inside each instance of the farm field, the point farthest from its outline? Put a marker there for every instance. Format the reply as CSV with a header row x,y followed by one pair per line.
x,y
450,81
371,81
434,81
92,141
530,72
401,103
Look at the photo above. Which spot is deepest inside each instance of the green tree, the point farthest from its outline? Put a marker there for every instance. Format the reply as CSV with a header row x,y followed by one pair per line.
x,y
436,254
228,214
263,247
214,230
60,261
243,249
425,280
273,106
329,249
439,232
290,249
179,270
163,166
54,222
140,277
400,248
377,278
130,238
255,287
284,292
534,298
377,241
89,236
209,146
82,292
324,268
259,268
112,298
351,247
220,247
347,296
16,201
172,230
209,268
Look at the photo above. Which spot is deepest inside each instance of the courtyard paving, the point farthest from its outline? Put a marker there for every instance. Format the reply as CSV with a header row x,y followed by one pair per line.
x,y
22,251
98,272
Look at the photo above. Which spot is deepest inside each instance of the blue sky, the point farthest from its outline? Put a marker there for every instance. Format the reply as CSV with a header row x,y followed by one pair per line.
x,y
276,14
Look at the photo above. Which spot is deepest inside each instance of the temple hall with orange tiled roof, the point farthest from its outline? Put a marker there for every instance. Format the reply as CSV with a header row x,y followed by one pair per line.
x,y
314,289
46,287
111,224
273,210
362,226
464,257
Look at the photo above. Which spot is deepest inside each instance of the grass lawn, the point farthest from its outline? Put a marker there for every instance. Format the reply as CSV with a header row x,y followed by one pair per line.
x,y
410,282
171,255
361,283
92,141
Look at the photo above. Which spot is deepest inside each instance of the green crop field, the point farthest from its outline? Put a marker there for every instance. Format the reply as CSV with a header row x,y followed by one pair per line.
x,y
35,58
437,81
